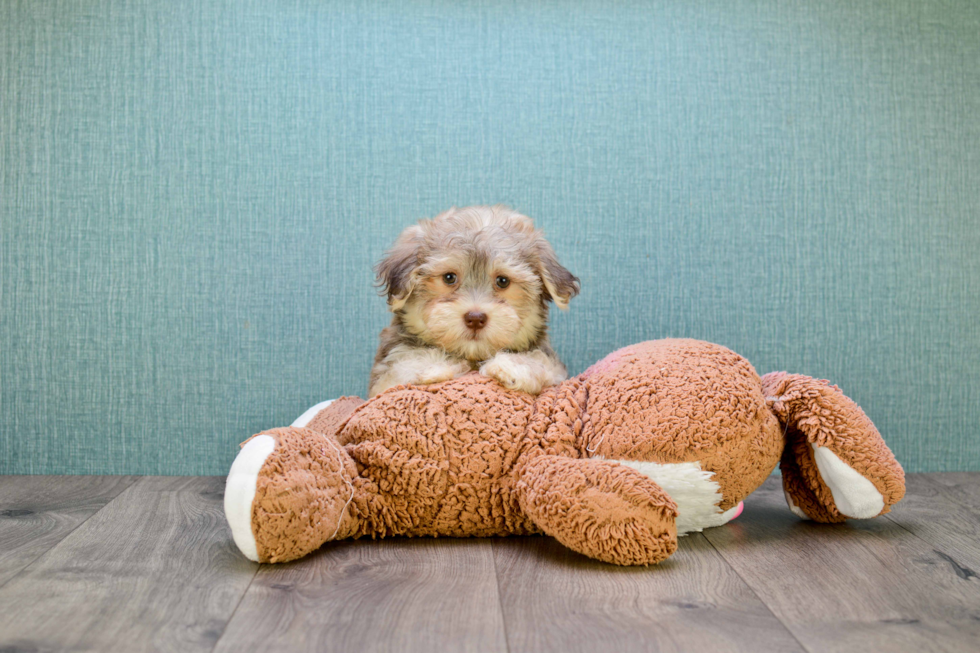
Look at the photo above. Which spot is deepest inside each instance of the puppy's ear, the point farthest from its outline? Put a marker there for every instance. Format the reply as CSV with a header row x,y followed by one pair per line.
x,y
396,270
560,285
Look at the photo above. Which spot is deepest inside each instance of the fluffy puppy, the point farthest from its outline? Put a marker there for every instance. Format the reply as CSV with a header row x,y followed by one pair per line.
x,y
469,290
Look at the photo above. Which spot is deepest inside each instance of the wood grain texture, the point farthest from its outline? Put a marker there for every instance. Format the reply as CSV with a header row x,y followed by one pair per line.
x,y
36,512
944,510
961,487
864,585
155,570
556,600
392,595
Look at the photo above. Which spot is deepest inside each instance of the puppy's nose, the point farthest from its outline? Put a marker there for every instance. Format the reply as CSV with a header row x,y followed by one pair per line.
x,y
475,320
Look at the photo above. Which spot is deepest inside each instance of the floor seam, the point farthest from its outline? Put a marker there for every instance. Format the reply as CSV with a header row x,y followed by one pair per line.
x,y
224,629
30,564
756,594
500,601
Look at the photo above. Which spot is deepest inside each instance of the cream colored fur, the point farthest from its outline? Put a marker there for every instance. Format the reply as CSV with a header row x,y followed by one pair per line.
x,y
240,492
854,495
696,495
310,413
528,372
418,365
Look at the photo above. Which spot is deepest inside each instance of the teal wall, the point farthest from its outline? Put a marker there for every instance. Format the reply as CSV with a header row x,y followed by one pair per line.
x,y
192,195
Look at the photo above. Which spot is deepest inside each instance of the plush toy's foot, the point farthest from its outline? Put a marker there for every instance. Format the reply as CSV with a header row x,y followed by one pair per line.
x,y
694,490
240,492
836,466
600,508
288,492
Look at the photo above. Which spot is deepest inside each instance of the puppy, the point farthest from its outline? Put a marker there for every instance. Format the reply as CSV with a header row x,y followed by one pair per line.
x,y
469,290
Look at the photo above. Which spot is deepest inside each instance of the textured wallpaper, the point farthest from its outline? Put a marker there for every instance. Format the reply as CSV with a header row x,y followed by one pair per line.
x,y
192,195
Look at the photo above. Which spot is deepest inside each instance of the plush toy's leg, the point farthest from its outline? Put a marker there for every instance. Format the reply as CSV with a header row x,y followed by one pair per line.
x,y
288,492
327,416
240,492
600,508
836,465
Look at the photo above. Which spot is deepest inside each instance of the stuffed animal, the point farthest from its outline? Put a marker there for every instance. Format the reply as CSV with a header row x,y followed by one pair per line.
x,y
654,441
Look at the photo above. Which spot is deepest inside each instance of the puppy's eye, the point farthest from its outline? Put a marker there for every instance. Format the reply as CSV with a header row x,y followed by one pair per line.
x,y
449,278
502,282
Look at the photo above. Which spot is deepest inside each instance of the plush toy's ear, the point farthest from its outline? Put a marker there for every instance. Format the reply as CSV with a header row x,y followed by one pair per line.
x,y
397,270
836,465
560,285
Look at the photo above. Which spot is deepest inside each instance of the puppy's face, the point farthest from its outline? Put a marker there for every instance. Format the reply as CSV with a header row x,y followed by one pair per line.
x,y
474,281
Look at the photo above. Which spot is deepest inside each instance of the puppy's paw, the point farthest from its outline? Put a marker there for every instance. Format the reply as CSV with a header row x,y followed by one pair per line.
x,y
441,372
513,372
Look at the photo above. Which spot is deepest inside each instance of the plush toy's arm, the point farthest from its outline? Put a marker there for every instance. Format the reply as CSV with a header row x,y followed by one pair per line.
x,y
835,466
599,508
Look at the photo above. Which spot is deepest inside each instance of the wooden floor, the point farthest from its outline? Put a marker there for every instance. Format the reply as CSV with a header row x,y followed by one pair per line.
x,y
147,564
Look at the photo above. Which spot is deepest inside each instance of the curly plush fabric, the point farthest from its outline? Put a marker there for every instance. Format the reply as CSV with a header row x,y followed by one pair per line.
x,y
606,510
469,458
676,401
299,494
818,414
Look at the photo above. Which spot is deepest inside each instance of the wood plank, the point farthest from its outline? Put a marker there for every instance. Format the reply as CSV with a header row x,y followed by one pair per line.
x,y
37,512
863,585
388,595
963,487
557,600
942,509
155,570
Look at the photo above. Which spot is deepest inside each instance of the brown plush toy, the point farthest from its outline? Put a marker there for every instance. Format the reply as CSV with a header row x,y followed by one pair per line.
x,y
654,441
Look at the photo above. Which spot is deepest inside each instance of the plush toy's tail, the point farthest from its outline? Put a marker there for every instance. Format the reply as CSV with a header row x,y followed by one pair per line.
x,y
836,465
